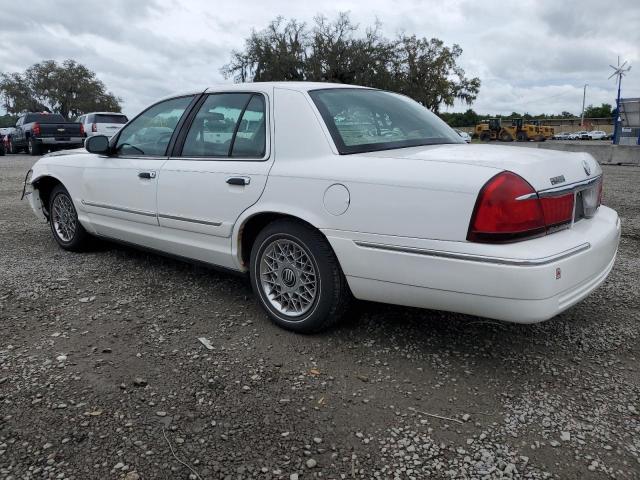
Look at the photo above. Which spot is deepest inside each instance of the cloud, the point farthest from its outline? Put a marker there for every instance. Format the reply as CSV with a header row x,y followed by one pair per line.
x,y
534,56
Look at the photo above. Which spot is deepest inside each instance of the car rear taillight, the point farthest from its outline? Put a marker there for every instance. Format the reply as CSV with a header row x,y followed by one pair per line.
x,y
94,127
36,129
82,134
509,209
557,210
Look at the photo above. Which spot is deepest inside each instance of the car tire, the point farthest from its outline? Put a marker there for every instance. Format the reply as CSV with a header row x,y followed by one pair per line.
x,y
2,150
67,230
485,137
296,277
33,148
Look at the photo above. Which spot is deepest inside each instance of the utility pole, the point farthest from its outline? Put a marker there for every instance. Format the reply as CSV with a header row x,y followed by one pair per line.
x,y
584,96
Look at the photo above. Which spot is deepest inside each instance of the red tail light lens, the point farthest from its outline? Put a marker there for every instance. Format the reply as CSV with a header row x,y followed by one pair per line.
x,y
557,210
81,130
36,129
94,127
507,209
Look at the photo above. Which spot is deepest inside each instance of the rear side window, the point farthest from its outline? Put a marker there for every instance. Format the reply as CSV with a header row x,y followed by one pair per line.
x,y
228,125
103,118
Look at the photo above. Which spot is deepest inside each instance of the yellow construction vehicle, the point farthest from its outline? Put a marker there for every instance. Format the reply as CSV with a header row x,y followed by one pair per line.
x,y
546,130
492,129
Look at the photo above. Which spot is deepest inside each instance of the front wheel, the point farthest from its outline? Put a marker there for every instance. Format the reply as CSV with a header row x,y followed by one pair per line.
x,y
63,218
297,278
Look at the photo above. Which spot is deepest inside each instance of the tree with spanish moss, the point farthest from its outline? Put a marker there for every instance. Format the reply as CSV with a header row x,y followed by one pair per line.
x,y
68,88
336,51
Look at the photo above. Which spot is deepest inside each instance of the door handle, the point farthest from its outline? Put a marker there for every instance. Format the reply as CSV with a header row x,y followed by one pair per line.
x,y
238,180
147,175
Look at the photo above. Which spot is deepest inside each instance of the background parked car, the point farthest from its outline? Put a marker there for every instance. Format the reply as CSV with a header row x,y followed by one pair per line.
x,y
561,136
597,135
5,136
38,132
465,136
102,123
581,135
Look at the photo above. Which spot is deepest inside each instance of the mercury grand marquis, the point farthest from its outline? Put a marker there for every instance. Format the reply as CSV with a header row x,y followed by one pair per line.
x,y
321,193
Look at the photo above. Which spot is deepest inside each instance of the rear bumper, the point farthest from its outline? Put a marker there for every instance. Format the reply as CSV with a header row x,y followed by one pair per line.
x,y
54,141
523,282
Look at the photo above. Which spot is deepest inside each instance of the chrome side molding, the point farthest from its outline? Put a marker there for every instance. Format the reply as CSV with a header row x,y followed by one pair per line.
x,y
118,209
470,257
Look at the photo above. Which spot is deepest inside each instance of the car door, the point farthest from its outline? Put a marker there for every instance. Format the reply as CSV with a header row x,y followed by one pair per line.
x,y
119,191
219,169
18,138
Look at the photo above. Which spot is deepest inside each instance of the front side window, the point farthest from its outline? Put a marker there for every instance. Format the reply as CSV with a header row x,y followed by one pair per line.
x,y
228,125
150,133
365,120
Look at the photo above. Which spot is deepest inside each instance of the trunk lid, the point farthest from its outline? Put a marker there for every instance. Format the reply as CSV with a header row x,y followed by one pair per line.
x,y
543,169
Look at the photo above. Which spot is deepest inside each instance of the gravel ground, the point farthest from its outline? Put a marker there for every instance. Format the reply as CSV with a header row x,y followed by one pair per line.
x,y
102,375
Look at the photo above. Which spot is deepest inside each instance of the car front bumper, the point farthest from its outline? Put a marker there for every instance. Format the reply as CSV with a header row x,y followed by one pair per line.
x,y
523,282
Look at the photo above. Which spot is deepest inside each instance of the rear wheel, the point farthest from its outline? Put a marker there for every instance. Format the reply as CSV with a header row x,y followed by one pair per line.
x,y
296,277
522,137
63,218
485,137
506,137
33,147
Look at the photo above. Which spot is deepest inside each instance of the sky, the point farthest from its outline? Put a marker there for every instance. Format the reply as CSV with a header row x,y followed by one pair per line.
x,y
530,55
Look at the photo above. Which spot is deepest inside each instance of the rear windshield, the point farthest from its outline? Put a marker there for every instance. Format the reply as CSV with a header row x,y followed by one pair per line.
x,y
364,120
44,118
102,118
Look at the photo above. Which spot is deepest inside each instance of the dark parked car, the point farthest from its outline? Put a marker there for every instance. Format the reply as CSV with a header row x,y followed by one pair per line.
x,y
39,132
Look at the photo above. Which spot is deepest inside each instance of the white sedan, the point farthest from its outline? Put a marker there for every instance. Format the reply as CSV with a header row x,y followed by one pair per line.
x,y
322,192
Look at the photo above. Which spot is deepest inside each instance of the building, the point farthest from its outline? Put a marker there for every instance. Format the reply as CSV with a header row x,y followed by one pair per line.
x,y
628,127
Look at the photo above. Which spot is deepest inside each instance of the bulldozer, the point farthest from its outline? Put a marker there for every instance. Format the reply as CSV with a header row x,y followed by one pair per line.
x,y
492,129
546,130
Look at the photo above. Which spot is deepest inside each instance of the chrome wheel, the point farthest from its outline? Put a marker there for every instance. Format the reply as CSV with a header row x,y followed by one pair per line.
x,y
288,277
63,217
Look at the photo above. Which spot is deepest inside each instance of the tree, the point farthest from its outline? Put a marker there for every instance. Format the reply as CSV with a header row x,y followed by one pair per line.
x,y
603,111
333,51
69,88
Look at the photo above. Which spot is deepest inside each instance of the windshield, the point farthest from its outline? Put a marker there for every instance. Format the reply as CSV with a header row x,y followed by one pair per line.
x,y
364,120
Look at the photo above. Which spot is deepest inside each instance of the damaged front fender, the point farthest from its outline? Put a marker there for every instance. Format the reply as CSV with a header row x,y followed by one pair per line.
x,y
33,197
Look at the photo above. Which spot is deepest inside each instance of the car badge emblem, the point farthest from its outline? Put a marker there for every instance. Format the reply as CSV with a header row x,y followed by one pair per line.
x,y
557,180
288,277
61,129
587,168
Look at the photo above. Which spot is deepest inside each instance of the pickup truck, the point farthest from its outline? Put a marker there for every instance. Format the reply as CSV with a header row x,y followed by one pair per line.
x,y
39,132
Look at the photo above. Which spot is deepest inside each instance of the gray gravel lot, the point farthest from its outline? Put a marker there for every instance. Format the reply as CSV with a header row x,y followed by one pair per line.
x,y
102,375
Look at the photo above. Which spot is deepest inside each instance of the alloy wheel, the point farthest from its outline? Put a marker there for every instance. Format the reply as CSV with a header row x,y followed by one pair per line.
x,y
288,277
63,217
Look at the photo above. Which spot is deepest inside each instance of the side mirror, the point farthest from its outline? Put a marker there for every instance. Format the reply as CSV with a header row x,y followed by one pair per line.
x,y
97,144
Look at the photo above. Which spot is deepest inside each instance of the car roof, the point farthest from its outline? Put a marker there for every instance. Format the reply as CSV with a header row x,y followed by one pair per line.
x,y
300,86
